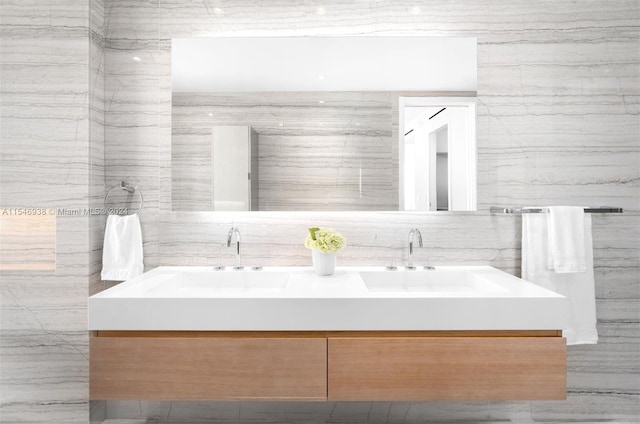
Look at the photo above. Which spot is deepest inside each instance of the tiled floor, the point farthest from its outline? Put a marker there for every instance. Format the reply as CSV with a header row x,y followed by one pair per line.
x,y
151,421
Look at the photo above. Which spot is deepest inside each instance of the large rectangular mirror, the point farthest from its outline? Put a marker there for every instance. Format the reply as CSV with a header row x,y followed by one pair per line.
x,y
311,124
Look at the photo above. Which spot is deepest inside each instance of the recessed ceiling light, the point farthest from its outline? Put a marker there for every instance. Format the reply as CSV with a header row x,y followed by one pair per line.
x,y
320,11
357,124
321,77
136,58
320,101
415,10
211,114
280,124
218,11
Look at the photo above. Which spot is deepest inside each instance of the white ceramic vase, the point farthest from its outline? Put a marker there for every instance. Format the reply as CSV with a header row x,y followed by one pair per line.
x,y
323,263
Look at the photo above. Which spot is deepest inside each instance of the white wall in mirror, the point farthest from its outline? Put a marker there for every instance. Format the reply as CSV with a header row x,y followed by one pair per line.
x,y
324,64
233,148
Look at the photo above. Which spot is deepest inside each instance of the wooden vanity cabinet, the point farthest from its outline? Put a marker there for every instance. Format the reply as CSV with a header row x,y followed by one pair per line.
x,y
446,368
155,367
335,366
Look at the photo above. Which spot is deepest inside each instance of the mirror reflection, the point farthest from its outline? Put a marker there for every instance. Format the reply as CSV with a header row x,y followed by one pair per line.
x,y
438,161
285,151
355,150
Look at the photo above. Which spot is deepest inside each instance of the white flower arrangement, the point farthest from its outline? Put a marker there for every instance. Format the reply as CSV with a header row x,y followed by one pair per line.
x,y
325,240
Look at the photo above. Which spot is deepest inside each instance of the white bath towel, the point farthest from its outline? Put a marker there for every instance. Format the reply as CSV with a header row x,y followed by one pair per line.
x,y
567,239
122,250
578,288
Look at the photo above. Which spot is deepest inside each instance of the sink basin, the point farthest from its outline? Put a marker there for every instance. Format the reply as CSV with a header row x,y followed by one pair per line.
x,y
353,299
439,282
208,283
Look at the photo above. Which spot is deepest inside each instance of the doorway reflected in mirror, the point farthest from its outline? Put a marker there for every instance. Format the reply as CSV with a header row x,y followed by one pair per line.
x,y
438,146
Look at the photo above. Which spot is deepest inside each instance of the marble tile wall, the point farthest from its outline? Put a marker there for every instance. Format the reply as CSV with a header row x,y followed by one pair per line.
x,y
558,106
97,186
51,143
347,173
96,154
134,121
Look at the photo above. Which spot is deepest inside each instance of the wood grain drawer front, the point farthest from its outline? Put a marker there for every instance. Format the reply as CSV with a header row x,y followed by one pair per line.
x,y
208,368
451,368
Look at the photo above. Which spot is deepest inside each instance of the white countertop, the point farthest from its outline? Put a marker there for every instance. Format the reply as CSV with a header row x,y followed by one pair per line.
x,y
353,299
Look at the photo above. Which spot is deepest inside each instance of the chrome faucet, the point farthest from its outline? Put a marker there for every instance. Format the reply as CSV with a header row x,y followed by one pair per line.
x,y
412,234
235,231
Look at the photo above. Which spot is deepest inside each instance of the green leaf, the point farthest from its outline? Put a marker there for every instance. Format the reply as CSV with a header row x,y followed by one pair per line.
x,y
312,232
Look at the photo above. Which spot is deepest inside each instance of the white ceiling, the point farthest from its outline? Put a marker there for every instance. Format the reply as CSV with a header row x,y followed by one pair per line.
x,y
346,63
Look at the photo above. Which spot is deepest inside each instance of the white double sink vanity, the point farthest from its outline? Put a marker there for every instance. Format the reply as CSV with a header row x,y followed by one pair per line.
x,y
364,333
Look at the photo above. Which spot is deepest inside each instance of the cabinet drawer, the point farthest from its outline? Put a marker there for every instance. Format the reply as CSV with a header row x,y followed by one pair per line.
x,y
446,368
207,368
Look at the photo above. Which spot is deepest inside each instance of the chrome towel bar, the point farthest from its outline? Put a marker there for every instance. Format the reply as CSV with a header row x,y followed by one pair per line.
x,y
521,210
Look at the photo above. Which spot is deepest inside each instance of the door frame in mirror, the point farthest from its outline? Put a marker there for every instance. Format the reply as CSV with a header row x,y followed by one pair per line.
x,y
470,104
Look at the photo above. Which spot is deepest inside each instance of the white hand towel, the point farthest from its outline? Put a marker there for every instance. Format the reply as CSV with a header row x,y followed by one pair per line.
x,y
122,250
567,239
578,288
